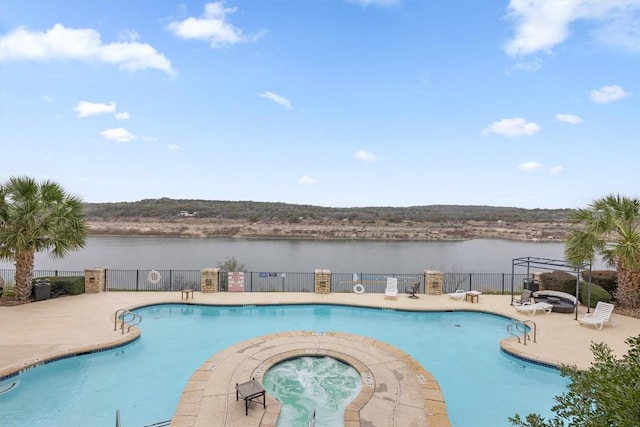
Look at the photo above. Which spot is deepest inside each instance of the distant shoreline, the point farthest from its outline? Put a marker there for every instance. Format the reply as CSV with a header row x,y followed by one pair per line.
x,y
329,229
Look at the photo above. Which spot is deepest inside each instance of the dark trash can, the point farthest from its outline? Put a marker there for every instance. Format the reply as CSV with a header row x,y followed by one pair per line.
x,y
531,285
41,290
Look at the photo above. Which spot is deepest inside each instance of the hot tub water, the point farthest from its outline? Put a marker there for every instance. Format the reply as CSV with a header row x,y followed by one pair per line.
x,y
307,384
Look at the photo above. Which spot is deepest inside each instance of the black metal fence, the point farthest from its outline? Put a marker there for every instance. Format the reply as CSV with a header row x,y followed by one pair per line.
x,y
175,280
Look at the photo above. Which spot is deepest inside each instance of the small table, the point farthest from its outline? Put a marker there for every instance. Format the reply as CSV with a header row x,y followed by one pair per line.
x,y
185,294
251,391
470,295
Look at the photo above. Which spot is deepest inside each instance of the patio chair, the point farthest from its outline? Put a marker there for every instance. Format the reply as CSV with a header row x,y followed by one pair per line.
x,y
458,295
525,298
532,309
391,291
601,315
413,290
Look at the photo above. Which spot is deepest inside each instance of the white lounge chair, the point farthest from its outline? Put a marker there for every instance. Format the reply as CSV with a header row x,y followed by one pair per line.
x,y
458,295
391,291
601,315
532,309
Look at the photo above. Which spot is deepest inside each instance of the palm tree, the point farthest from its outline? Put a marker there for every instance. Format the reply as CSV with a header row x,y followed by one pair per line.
x,y
610,227
35,217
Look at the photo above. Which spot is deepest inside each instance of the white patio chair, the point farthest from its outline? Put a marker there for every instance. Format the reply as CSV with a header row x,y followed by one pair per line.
x,y
532,309
601,315
391,291
458,295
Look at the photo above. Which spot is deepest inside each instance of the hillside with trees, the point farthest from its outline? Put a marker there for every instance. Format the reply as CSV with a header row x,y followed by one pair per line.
x,y
266,220
267,211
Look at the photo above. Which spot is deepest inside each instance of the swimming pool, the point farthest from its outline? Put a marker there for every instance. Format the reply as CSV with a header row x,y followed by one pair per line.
x,y
144,379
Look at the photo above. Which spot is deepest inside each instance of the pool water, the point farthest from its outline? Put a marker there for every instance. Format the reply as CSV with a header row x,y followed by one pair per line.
x,y
312,385
145,379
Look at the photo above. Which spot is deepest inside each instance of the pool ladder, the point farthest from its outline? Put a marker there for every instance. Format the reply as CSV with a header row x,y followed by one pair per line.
x,y
127,318
523,328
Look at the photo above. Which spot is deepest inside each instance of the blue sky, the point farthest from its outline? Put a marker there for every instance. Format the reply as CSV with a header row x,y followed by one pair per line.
x,y
532,104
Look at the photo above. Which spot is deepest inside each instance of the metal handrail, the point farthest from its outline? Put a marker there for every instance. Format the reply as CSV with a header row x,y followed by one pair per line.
x,y
126,317
524,328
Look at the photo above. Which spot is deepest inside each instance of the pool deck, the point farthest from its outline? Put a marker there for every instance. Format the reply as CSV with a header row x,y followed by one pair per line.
x,y
34,333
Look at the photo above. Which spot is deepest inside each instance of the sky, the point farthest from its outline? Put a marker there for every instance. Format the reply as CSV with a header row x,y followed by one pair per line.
x,y
335,103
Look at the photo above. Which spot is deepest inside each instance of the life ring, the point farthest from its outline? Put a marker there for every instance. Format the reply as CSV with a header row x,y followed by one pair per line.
x,y
358,289
153,277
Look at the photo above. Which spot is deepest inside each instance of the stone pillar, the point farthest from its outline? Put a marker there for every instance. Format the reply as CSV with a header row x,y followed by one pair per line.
x,y
95,280
209,280
322,281
433,282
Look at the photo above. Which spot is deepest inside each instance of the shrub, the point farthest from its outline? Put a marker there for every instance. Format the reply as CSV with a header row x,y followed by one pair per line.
x,y
71,285
606,394
559,281
608,279
598,293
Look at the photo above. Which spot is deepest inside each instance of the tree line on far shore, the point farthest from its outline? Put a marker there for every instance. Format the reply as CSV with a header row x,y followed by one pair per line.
x,y
166,208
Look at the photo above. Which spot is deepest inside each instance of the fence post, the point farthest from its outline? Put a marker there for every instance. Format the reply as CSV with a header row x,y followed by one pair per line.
x,y
170,280
94,280
322,279
470,284
433,282
137,280
210,280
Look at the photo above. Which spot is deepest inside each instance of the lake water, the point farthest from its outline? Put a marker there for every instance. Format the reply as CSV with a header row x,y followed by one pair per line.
x,y
470,256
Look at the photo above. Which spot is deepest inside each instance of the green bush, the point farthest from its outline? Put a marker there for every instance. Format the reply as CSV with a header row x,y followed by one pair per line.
x,y
606,394
598,293
608,279
559,281
71,285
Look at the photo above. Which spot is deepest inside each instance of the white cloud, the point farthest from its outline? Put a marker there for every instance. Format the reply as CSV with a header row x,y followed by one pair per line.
x,y
514,127
556,170
543,24
149,138
86,108
79,44
529,66
122,116
365,156
308,180
118,134
173,147
530,166
276,98
607,94
569,118
46,98
622,30
212,27
128,35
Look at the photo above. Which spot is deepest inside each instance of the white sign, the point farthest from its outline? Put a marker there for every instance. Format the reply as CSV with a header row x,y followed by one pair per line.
x,y
236,281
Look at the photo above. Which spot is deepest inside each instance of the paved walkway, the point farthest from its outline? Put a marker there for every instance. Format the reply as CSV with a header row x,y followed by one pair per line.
x,y
36,332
